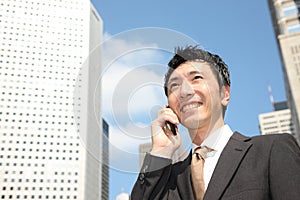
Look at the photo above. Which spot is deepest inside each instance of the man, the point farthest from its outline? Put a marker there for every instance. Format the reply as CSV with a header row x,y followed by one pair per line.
x,y
222,164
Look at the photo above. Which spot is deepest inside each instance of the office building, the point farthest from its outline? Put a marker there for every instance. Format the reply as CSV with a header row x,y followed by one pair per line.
x,y
105,162
278,121
286,24
50,124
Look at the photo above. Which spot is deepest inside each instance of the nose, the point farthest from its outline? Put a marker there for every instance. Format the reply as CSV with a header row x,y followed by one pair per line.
x,y
186,89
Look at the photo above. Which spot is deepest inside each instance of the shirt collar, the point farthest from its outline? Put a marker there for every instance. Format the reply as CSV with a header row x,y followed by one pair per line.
x,y
218,139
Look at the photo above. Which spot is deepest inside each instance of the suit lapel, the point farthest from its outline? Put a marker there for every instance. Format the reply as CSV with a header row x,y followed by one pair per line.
x,y
184,180
228,163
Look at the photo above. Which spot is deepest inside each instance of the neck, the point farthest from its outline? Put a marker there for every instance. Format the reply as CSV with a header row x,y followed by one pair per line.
x,y
200,134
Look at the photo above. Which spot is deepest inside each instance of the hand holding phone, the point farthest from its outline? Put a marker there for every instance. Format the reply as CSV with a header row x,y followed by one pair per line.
x,y
170,126
165,139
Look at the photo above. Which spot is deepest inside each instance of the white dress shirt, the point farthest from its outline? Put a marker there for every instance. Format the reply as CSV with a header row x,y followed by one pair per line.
x,y
216,141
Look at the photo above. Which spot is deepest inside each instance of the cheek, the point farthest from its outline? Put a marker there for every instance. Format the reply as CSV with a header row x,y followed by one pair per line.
x,y
204,91
213,91
173,103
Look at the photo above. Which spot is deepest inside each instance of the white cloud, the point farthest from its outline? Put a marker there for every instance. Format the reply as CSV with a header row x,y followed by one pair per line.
x,y
127,51
131,77
132,92
124,147
127,133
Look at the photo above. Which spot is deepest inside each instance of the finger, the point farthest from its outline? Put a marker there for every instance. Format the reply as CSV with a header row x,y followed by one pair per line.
x,y
168,115
167,131
171,112
171,117
174,138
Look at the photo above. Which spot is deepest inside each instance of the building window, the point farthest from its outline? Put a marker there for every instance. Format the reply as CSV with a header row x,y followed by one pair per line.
x,y
293,28
291,10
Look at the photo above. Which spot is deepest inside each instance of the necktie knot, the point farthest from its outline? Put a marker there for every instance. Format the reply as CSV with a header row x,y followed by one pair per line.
x,y
201,152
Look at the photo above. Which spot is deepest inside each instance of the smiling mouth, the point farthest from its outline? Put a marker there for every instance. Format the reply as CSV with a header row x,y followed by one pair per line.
x,y
190,107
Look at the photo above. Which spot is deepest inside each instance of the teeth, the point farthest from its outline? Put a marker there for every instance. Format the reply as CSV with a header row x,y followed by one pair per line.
x,y
190,106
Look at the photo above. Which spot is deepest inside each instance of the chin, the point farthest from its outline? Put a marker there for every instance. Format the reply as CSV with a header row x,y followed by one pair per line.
x,y
191,119
191,123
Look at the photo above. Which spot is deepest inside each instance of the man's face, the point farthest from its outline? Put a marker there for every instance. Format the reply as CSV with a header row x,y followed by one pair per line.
x,y
194,95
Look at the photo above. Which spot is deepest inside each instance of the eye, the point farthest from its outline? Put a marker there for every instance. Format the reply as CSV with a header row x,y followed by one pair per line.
x,y
173,85
196,77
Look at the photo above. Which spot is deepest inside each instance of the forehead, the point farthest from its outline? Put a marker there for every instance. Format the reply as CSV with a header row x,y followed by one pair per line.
x,y
189,68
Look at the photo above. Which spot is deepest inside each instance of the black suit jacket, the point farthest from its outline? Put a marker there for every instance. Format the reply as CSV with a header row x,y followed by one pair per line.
x,y
261,167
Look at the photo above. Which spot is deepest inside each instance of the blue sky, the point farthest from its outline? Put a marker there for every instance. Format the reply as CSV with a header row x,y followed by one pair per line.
x,y
239,31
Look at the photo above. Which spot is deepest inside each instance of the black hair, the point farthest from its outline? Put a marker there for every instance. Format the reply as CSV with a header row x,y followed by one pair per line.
x,y
195,53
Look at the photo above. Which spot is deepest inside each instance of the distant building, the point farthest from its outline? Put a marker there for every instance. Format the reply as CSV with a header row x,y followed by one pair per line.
x,y
278,121
105,162
286,24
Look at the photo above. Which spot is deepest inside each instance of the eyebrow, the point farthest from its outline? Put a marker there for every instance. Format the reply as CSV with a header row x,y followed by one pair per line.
x,y
173,79
194,72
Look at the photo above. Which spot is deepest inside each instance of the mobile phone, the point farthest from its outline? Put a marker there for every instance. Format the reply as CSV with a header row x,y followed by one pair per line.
x,y
171,126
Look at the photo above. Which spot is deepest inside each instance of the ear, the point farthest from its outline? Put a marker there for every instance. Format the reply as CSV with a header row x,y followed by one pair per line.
x,y
225,95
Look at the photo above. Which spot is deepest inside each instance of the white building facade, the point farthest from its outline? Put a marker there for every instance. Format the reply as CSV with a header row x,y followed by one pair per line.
x,y
49,100
278,121
286,24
